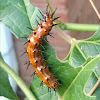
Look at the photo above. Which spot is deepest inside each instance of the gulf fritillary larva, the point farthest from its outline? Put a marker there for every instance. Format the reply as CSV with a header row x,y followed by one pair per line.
x,y
34,51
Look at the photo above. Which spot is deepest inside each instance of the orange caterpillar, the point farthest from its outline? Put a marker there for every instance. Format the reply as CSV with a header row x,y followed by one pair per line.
x,y
34,51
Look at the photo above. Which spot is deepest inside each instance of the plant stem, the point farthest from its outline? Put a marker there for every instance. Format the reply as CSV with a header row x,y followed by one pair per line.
x,y
94,88
18,80
79,27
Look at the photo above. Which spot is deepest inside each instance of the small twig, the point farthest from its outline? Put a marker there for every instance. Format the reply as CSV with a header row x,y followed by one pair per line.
x,y
94,88
94,7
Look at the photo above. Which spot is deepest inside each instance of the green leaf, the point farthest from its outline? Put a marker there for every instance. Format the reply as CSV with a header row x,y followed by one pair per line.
x,y
69,77
76,57
90,84
42,92
97,70
89,48
5,87
75,90
95,37
79,56
83,49
17,15
59,68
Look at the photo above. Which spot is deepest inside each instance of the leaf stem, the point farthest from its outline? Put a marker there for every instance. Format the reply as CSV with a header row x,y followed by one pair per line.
x,y
79,27
18,80
94,88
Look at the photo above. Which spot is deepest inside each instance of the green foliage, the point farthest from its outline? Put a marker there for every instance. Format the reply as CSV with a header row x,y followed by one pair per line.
x,y
73,79
78,72
5,87
17,15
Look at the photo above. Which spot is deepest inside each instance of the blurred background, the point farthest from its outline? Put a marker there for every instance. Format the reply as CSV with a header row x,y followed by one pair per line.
x,y
74,11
